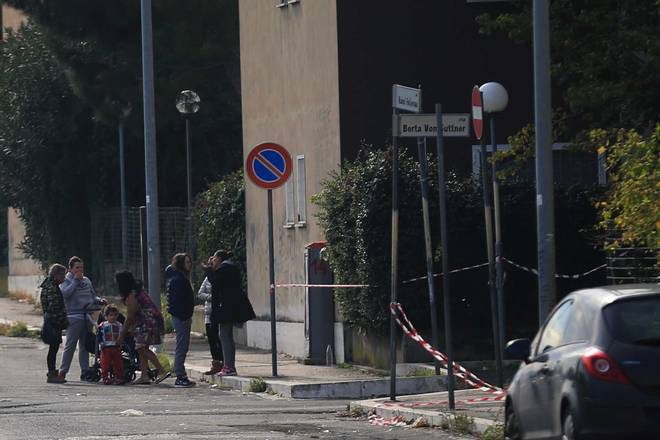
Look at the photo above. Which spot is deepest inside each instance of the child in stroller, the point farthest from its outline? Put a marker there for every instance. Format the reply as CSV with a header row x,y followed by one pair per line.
x,y
128,353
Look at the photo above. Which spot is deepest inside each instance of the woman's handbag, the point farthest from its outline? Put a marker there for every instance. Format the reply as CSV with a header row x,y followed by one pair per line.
x,y
50,333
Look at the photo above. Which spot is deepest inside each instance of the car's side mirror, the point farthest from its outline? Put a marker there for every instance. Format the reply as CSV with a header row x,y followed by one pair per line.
x,y
518,349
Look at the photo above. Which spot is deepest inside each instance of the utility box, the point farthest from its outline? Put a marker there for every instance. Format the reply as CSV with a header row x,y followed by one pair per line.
x,y
319,305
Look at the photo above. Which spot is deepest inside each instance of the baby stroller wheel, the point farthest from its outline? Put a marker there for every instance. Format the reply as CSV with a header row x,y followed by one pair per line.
x,y
129,375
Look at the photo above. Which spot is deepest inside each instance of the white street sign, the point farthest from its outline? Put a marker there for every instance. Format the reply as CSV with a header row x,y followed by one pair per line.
x,y
424,125
405,98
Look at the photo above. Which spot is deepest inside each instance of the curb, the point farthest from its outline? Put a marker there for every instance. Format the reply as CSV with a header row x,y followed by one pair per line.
x,y
356,389
435,418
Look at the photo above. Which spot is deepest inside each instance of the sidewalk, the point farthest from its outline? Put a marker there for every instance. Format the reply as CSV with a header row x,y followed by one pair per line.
x,y
296,380
14,311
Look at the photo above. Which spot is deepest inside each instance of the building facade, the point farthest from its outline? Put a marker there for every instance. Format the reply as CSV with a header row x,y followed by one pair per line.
x,y
316,77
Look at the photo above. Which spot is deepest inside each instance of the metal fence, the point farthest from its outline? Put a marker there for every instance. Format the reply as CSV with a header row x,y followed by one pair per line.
x,y
106,241
633,265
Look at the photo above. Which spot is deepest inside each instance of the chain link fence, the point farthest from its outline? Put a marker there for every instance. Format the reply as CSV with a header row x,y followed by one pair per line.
x,y
106,241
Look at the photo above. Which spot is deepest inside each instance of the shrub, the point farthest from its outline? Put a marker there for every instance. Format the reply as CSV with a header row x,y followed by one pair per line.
x,y
167,318
219,219
461,423
164,360
494,432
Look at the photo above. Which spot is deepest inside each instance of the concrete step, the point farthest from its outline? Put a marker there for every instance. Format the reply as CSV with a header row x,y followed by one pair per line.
x,y
304,388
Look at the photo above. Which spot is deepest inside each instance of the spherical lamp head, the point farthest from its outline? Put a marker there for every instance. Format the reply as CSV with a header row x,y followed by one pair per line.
x,y
188,102
495,96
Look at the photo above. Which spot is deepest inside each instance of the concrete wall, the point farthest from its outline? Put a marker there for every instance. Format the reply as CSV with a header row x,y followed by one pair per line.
x,y
11,18
290,95
25,274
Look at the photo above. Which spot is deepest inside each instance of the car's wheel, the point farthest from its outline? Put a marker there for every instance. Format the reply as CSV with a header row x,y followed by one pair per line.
x,y
512,427
568,427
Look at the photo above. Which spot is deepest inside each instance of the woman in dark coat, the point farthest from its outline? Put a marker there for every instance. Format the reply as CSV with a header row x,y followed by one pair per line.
x,y
55,320
229,304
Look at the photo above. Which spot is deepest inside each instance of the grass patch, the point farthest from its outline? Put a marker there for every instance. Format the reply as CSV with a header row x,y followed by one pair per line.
x,y
421,372
462,424
164,360
17,330
344,365
257,385
495,432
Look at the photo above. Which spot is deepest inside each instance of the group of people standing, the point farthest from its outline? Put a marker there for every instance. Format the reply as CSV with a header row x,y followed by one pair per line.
x,y
225,305
68,298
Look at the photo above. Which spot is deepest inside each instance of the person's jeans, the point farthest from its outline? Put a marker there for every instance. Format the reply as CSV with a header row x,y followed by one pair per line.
x,y
75,334
182,329
228,346
212,333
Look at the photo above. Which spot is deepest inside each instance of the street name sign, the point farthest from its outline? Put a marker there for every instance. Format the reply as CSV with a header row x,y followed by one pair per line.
x,y
477,112
406,98
268,165
425,125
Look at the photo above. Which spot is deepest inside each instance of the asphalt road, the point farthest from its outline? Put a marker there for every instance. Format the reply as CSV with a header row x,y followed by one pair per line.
x,y
32,409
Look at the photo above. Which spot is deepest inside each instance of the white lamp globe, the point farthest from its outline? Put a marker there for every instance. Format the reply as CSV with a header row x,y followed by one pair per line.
x,y
495,96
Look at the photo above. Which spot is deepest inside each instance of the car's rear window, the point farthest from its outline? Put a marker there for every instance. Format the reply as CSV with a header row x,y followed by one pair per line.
x,y
635,321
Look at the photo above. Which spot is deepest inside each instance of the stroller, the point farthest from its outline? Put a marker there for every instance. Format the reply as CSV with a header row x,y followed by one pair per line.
x,y
128,353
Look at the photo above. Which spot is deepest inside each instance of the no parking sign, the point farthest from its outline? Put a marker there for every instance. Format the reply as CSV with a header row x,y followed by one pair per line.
x,y
268,165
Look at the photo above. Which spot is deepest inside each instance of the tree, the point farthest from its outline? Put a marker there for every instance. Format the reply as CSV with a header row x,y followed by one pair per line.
x,y
195,47
605,58
49,150
633,202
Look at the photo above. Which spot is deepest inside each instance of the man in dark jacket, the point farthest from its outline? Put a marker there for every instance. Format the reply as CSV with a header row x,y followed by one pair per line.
x,y
180,305
229,304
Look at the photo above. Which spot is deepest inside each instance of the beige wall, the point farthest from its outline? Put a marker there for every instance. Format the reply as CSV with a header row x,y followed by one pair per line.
x,y
290,95
19,263
11,18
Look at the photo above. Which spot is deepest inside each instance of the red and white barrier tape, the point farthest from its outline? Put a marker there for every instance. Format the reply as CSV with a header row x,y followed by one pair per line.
x,y
459,371
435,275
472,401
568,277
328,286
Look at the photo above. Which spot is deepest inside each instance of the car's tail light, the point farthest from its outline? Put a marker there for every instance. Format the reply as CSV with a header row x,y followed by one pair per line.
x,y
601,366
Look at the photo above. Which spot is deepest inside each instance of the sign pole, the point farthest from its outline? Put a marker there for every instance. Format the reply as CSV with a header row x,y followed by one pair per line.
x,y
488,215
271,272
444,240
499,248
269,165
424,183
394,282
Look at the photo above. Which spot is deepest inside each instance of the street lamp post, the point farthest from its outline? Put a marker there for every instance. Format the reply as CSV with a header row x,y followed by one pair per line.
x,y
187,103
125,113
495,100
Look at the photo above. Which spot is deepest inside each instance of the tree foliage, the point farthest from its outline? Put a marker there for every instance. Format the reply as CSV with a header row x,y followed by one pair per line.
x,y
48,148
605,58
195,47
633,202
219,219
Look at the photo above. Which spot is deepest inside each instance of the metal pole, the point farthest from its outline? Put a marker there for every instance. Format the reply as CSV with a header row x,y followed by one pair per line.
x,y
424,183
150,162
144,246
444,240
499,250
491,259
545,223
124,214
394,282
189,185
271,272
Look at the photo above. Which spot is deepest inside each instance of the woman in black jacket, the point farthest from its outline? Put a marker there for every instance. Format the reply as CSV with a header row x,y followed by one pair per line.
x,y
180,305
55,320
229,304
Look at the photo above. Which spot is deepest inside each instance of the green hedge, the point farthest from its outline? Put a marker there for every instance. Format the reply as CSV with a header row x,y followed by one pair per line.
x,y
219,219
355,214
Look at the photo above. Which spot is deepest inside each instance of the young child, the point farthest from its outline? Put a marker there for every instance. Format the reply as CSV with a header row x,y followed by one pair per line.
x,y
109,331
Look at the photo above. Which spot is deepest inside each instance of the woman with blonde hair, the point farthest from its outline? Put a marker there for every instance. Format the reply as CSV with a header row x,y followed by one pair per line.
x,y
55,320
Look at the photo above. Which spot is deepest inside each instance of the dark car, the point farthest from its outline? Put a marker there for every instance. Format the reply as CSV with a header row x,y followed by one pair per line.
x,y
593,369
